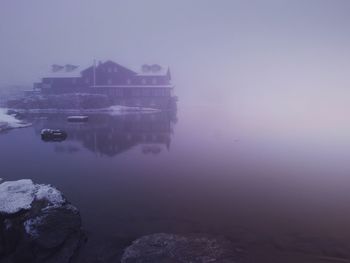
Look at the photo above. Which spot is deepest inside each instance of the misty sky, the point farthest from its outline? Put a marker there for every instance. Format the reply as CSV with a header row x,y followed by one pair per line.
x,y
274,52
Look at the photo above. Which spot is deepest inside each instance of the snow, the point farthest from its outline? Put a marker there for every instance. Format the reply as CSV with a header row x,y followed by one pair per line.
x,y
79,117
19,195
119,108
16,196
49,193
31,225
63,72
9,122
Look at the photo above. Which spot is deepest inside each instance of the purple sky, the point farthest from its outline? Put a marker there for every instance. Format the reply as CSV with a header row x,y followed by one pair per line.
x,y
223,51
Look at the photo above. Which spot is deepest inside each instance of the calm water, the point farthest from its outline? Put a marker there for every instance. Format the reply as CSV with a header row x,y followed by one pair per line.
x,y
200,170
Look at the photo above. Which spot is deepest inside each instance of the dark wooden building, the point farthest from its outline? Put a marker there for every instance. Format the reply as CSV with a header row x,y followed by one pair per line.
x,y
150,87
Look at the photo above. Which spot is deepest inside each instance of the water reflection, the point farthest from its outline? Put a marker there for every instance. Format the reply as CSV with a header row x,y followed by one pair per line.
x,y
111,135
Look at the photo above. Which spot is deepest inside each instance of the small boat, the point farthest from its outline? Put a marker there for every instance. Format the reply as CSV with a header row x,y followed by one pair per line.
x,y
53,135
80,118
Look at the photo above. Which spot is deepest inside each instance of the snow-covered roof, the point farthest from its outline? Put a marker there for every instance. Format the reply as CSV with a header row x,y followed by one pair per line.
x,y
64,71
74,71
152,70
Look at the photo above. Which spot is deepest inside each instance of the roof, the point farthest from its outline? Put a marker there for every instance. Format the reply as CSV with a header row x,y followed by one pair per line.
x,y
63,71
74,71
108,63
153,70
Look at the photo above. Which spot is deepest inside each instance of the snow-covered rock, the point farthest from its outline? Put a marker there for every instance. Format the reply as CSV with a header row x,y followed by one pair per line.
x,y
37,224
19,195
180,248
16,196
9,121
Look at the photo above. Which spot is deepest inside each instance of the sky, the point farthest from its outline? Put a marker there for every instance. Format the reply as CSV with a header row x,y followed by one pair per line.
x,y
272,53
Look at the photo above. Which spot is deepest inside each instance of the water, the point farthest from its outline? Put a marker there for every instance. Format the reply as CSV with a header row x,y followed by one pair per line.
x,y
198,170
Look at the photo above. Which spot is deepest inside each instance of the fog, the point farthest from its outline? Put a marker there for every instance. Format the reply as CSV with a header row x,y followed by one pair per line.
x,y
253,145
235,54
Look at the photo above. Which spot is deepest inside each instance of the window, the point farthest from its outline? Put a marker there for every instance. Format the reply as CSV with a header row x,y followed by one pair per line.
x,y
143,81
87,81
128,81
109,82
154,81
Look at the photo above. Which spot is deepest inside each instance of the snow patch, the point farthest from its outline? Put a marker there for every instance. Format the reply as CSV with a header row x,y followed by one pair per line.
x,y
31,226
72,208
16,195
127,108
49,193
9,121
121,110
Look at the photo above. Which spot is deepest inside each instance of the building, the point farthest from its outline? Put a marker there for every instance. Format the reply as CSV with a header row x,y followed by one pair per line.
x,y
151,87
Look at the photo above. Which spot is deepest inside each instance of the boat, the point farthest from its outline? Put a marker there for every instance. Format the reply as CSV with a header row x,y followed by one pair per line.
x,y
53,135
80,118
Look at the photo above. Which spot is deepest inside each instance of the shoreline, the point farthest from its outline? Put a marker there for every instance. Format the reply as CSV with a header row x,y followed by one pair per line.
x,y
113,110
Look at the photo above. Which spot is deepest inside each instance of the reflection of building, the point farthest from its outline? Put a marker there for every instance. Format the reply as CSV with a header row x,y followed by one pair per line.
x,y
149,88
111,135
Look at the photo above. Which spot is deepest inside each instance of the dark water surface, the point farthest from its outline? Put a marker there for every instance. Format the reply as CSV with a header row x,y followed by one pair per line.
x,y
200,170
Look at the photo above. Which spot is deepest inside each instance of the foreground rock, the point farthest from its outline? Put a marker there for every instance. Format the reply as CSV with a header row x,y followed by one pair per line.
x,y
37,224
180,249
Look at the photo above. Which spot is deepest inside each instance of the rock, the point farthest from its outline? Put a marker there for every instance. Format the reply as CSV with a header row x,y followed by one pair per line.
x,y
180,249
37,224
